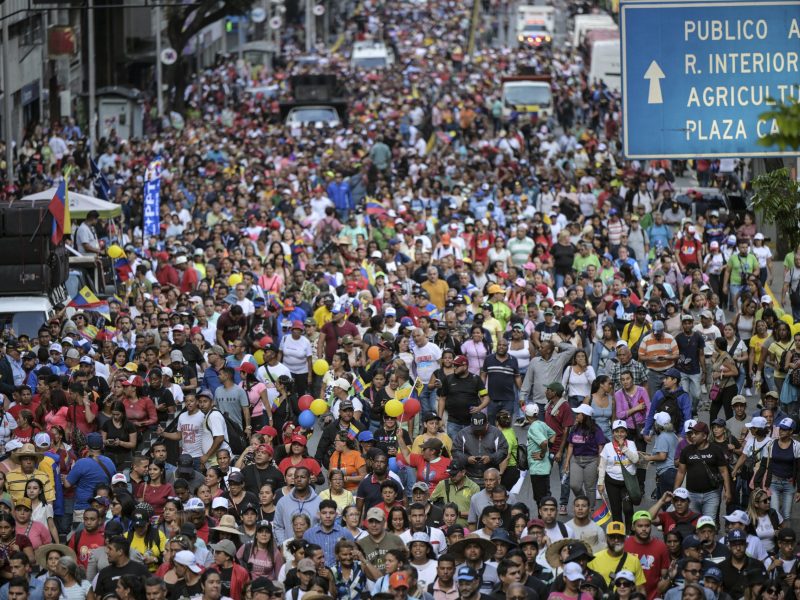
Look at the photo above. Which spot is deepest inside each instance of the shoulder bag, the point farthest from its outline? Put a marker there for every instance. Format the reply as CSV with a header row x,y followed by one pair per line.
x,y
631,481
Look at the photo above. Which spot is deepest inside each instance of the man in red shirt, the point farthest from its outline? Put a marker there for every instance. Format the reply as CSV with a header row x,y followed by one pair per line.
x,y
87,538
332,333
652,553
23,399
80,411
188,275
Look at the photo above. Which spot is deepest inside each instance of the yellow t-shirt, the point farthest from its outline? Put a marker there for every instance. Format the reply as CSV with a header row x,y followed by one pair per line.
x,y
606,565
137,543
757,343
776,350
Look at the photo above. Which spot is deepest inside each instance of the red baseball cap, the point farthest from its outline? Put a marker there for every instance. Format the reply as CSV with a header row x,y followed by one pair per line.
x,y
298,438
268,430
398,579
246,367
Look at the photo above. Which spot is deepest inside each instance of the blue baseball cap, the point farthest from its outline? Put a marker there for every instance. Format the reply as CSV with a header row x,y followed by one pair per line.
x,y
714,573
737,535
466,573
366,436
673,372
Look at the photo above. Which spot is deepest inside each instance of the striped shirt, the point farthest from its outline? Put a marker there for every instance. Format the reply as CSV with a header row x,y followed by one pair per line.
x,y
658,354
327,540
16,481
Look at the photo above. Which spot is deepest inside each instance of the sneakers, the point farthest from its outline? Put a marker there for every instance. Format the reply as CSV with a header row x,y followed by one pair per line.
x,y
562,511
748,391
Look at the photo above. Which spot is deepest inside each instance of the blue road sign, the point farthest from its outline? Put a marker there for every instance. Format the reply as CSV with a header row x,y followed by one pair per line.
x,y
697,76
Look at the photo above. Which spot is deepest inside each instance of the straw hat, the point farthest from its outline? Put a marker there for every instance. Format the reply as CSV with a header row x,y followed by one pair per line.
x,y
227,524
27,451
488,547
43,551
553,554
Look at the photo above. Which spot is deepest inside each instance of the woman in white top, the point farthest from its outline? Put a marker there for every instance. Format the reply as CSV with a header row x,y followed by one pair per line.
x,y
295,352
577,379
74,587
42,510
499,253
764,256
519,347
620,453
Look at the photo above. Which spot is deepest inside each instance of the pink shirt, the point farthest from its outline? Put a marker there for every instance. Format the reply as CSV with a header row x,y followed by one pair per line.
x,y
38,534
624,403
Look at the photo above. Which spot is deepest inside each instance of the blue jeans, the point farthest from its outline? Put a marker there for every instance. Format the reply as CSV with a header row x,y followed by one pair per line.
x,y
782,496
427,399
408,475
769,379
691,384
706,503
454,428
497,405
564,499
665,481
733,290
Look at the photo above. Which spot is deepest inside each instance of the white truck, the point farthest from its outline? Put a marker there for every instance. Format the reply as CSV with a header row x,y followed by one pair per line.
x,y
527,98
584,23
535,24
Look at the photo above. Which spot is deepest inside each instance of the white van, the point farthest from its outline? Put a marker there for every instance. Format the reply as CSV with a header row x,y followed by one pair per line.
x,y
25,314
584,23
527,97
529,14
371,55
606,65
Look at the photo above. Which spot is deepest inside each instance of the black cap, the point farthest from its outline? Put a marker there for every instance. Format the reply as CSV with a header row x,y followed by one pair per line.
x,y
448,531
235,477
113,528
786,534
478,419
186,529
262,584
455,466
185,463
430,416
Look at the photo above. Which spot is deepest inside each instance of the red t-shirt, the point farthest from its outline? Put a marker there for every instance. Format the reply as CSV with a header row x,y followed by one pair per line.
x,y
431,473
654,558
17,408
333,335
310,463
24,435
38,534
77,413
155,495
86,543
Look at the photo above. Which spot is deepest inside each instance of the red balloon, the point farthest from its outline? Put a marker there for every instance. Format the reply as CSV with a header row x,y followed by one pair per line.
x,y
410,409
304,402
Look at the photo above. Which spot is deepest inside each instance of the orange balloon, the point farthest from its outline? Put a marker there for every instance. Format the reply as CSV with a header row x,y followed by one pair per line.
x,y
373,353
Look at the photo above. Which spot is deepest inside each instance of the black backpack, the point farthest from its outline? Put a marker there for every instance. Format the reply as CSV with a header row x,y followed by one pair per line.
x,y
236,438
669,405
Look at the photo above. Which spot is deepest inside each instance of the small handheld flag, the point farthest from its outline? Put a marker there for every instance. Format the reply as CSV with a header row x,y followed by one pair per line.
x,y
602,515
86,300
352,431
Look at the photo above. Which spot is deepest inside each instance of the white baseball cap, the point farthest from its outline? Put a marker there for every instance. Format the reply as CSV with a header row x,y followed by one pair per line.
x,y
187,559
531,410
662,418
584,409
619,424
757,422
738,516
689,424
220,503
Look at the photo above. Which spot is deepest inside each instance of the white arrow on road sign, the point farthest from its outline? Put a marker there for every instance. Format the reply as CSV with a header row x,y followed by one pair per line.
x,y
654,74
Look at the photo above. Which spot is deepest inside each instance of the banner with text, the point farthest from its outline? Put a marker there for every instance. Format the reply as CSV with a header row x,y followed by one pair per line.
x,y
152,197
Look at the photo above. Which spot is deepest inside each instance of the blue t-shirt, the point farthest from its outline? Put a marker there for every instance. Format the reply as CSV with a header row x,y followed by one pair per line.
x,y
86,475
666,441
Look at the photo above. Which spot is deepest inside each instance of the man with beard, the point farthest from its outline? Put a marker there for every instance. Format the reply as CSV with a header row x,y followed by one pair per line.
x,y
653,554
460,489
368,493
607,562
736,567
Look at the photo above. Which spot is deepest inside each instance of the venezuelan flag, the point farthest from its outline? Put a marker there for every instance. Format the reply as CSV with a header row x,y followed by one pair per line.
x,y
375,208
602,515
86,300
123,269
358,385
59,208
352,431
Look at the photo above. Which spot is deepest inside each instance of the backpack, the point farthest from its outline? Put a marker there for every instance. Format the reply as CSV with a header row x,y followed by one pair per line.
x,y
236,438
522,457
669,405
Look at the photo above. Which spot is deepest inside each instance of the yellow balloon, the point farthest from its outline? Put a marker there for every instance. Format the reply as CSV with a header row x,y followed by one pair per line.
x,y
320,367
795,329
402,394
787,318
114,251
319,407
234,279
394,408
259,356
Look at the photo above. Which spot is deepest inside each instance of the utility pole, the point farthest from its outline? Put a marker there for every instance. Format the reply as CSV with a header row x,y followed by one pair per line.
x,y
159,68
310,27
92,79
242,35
8,127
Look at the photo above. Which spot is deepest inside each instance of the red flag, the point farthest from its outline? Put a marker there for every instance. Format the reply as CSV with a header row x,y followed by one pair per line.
x,y
58,208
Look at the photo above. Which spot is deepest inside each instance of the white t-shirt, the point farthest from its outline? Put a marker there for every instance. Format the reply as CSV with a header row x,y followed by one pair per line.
x,y
763,254
296,353
426,359
190,427
212,427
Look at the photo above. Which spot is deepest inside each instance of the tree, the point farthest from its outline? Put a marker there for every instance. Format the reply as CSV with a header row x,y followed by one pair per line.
x,y
777,198
185,22
787,118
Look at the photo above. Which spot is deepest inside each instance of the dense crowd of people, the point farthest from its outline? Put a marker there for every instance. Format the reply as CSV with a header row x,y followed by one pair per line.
x,y
351,355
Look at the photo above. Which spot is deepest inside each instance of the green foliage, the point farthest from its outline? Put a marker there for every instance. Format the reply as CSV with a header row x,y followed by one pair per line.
x,y
787,117
777,198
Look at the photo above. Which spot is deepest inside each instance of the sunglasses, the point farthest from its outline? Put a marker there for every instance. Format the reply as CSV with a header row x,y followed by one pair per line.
x,y
625,583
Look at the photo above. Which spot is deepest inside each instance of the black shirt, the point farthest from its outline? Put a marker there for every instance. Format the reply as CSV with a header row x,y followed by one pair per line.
x,y
701,466
735,580
461,394
107,578
254,478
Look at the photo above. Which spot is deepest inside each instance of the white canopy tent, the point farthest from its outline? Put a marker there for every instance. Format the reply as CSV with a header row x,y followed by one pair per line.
x,y
81,204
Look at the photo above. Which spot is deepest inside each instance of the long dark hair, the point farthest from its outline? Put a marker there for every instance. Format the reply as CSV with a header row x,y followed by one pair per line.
x,y
599,380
